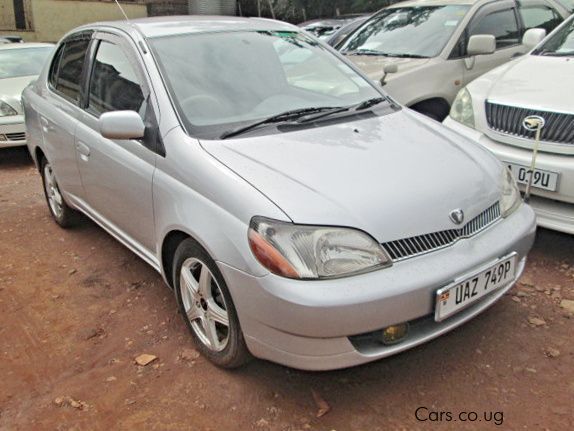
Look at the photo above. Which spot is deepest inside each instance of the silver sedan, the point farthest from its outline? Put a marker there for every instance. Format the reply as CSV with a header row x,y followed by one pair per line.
x,y
299,214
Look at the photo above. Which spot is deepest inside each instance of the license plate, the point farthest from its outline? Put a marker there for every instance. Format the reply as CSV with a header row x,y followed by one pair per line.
x,y
462,293
545,180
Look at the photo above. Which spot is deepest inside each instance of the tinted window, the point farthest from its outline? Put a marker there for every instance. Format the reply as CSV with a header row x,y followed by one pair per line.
x,y
114,84
540,17
502,25
560,44
70,67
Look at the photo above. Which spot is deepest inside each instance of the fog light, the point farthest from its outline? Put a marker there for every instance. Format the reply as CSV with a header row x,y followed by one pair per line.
x,y
395,333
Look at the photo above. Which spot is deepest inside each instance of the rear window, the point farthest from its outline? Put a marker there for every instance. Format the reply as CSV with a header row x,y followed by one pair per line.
x,y
67,67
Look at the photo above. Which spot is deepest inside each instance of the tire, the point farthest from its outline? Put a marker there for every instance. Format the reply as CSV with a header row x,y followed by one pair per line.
x,y
206,306
62,214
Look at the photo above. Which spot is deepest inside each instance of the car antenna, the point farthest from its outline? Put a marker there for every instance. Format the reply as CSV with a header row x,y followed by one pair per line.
x,y
123,12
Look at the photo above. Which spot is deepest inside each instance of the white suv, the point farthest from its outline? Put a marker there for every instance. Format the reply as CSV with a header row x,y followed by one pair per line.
x,y
492,111
433,48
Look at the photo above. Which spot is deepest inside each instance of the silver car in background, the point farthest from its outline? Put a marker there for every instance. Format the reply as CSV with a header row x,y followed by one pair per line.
x,y
299,214
20,63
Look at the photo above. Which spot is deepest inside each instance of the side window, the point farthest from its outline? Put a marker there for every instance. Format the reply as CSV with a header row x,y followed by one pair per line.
x,y
54,67
502,25
540,17
114,85
69,72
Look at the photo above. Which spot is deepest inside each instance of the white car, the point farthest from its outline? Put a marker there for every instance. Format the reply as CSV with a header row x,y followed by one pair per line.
x,y
20,63
493,111
433,48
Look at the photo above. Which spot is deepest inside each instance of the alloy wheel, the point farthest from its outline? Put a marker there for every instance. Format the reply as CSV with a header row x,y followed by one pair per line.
x,y
55,199
204,304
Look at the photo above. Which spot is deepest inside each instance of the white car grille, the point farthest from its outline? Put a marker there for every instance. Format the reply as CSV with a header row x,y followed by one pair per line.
x,y
559,127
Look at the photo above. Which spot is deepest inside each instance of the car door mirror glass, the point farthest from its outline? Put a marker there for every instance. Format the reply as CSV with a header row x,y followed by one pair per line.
x,y
533,37
481,44
121,125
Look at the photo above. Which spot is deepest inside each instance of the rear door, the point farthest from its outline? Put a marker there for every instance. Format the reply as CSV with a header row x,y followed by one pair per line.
x,y
117,174
499,19
59,110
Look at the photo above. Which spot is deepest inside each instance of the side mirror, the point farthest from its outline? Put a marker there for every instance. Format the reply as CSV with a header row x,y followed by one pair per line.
x,y
121,125
388,69
533,37
481,44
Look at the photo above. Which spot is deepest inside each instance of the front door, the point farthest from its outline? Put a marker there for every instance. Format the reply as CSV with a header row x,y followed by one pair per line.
x,y
117,175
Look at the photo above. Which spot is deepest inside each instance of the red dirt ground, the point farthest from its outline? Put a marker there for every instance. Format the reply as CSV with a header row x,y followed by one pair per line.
x,y
76,308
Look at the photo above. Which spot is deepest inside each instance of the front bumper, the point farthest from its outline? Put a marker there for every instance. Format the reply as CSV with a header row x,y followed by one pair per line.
x,y
321,325
554,210
12,131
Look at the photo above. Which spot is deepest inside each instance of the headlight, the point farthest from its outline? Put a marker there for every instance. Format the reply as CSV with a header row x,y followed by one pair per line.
x,y
461,110
313,252
6,110
511,198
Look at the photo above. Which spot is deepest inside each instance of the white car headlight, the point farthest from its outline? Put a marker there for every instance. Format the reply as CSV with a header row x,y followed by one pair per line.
x,y
510,199
6,110
314,252
462,110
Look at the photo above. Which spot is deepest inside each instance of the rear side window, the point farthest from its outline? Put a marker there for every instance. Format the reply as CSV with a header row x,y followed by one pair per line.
x,y
502,25
115,85
66,72
540,17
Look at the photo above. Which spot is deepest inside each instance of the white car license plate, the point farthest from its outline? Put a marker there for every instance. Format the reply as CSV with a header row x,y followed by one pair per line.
x,y
460,294
542,179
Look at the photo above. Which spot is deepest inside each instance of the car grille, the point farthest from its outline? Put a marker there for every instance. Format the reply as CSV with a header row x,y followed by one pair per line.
x,y
16,136
414,246
559,127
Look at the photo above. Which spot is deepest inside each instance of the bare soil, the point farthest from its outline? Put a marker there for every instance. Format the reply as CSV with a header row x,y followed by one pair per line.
x,y
76,309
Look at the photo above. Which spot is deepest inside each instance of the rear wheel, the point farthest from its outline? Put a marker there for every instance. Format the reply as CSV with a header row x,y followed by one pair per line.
x,y
61,212
207,307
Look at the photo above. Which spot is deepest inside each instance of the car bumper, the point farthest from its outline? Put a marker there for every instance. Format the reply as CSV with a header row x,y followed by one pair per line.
x,y
12,131
322,325
554,210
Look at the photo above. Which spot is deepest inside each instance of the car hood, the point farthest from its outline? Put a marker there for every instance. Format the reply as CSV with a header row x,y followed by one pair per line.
x,y
373,66
11,90
534,82
393,176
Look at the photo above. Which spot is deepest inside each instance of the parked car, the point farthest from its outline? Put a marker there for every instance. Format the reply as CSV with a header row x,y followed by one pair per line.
x,y
19,65
11,39
324,28
346,30
297,212
431,49
492,111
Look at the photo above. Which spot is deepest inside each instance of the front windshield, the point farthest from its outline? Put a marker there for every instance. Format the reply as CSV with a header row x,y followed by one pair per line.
x,y
561,44
418,31
22,61
219,81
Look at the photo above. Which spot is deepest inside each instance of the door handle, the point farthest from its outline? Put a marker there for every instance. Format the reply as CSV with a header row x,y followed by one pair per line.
x,y
84,150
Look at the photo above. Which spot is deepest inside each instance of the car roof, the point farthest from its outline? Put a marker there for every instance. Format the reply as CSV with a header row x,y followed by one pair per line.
x,y
173,25
434,3
25,45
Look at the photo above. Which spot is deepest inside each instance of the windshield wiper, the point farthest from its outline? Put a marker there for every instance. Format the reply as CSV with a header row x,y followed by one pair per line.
x,y
369,103
364,52
403,55
279,118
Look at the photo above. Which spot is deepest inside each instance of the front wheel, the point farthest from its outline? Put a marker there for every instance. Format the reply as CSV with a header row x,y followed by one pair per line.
x,y
60,211
207,307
